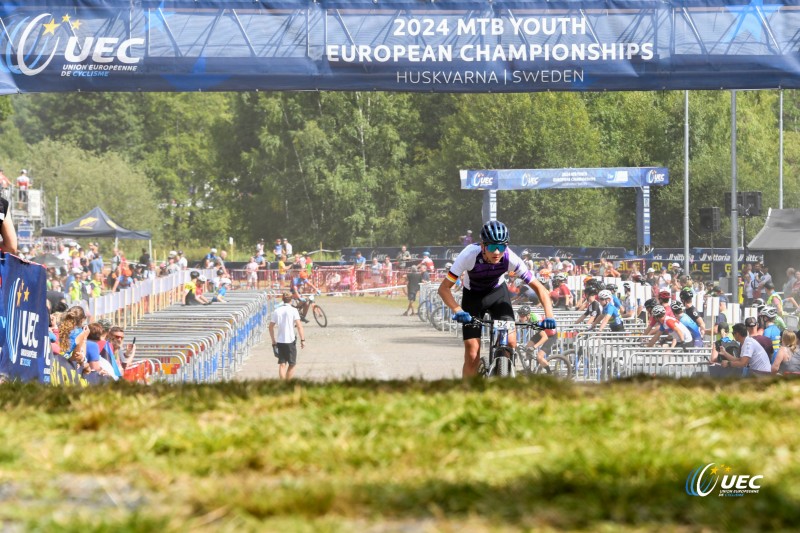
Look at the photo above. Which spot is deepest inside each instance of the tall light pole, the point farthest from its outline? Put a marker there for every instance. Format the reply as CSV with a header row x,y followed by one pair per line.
x,y
734,284
686,182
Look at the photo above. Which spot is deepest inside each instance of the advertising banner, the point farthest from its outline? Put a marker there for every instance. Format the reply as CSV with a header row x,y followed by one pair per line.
x,y
563,178
397,45
24,340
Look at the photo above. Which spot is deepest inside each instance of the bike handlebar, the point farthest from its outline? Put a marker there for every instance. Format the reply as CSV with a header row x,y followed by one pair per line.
x,y
480,322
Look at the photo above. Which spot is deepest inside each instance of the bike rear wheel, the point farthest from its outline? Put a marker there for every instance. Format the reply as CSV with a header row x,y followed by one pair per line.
x,y
320,317
438,317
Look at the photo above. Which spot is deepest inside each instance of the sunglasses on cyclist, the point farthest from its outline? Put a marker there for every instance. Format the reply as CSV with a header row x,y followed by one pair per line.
x,y
496,248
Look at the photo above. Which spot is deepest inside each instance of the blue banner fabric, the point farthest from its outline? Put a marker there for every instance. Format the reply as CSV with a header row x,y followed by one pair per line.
x,y
24,340
397,45
563,178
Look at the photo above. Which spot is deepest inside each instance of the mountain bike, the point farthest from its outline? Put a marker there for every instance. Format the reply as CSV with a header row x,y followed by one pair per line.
x,y
499,362
316,310
558,365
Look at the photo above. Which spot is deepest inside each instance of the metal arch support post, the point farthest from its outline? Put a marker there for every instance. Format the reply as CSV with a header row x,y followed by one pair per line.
x,y
686,182
734,283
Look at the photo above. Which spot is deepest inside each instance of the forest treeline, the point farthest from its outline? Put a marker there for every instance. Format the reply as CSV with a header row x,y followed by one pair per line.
x,y
354,168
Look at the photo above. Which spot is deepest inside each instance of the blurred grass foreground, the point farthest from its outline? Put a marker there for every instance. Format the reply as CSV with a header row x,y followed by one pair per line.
x,y
388,456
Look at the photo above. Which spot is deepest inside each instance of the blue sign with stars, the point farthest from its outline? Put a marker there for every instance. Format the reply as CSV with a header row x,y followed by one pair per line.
x,y
24,340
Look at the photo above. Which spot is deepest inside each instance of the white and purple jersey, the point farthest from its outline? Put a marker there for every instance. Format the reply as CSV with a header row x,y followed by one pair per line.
x,y
483,276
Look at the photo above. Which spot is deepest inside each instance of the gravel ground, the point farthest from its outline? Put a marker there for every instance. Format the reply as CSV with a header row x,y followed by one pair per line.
x,y
366,338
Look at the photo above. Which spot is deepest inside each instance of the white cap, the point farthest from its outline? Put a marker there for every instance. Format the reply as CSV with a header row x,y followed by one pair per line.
x,y
224,281
651,270
77,270
213,250
202,278
72,244
173,253
676,265
24,171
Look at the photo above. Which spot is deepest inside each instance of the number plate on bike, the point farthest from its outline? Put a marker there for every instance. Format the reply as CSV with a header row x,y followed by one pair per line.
x,y
507,325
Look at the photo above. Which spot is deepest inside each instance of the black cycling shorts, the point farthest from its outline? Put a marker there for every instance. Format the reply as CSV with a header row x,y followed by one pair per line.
x,y
496,302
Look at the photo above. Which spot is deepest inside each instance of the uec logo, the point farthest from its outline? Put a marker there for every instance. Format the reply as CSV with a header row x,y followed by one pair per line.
x,y
698,484
482,180
102,49
654,177
529,180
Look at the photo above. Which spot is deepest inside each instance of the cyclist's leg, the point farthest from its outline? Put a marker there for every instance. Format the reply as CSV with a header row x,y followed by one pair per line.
x,y
472,303
472,352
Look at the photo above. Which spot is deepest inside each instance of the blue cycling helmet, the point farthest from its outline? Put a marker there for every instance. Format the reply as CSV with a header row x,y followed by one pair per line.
x,y
494,232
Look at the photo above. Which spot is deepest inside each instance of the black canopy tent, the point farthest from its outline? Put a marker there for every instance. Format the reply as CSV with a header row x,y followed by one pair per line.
x,y
779,239
96,224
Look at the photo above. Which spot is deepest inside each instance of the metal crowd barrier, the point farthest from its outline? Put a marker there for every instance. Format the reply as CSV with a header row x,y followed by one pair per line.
x,y
596,356
203,343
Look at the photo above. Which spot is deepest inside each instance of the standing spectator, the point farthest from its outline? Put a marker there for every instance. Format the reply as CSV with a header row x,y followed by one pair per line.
x,y
765,278
386,270
96,264
183,264
752,356
750,283
467,239
664,280
5,186
309,263
360,261
211,258
413,280
252,273
287,247
403,258
786,290
260,247
282,268
375,270
285,318
23,184
426,266
7,231
278,250
144,259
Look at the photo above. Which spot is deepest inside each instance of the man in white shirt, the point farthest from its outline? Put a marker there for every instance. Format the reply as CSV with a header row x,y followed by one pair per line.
x,y
752,354
286,318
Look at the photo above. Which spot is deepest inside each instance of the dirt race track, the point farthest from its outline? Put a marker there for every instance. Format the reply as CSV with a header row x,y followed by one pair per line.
x,y
366,338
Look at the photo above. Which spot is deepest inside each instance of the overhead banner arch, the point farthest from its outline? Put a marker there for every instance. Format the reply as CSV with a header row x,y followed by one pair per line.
x,y
640,178
397,45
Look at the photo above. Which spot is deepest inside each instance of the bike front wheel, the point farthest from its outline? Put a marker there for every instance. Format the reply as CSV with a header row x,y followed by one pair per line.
x,y
423,311
559,367
319,316
503,358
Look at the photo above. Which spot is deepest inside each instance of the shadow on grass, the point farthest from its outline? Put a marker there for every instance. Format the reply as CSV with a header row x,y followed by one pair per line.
x,y
194,397
551,499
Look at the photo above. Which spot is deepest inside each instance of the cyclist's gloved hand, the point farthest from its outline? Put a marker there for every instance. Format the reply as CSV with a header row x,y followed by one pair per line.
x,y
463,317
547,323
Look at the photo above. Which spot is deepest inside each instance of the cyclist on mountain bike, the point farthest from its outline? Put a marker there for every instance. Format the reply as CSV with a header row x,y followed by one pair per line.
x,y
485,291
610,313
300,280
540,343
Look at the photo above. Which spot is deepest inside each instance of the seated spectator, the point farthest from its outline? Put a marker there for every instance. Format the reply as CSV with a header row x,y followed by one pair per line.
x,y
123,353
94,343
7,231
788,358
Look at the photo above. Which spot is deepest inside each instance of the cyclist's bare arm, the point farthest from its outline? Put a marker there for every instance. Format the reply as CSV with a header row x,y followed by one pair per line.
x,y
447,297
544,297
